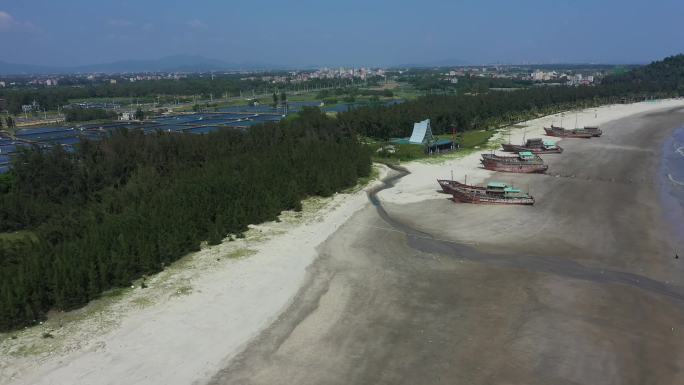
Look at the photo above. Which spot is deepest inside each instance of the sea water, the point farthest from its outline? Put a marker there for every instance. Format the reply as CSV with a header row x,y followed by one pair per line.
x,y
672,187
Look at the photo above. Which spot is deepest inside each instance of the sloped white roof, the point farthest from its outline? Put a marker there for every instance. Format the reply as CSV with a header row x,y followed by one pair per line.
x,y
422,133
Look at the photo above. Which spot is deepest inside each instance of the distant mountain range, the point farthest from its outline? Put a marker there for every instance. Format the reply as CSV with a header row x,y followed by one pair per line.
x,y
178,63
434,63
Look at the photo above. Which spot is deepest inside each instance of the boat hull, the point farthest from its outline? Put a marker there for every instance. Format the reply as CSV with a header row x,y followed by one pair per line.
x,y
517,168
534,150
513,164
595,132
567,133
469,197
449,185
478,195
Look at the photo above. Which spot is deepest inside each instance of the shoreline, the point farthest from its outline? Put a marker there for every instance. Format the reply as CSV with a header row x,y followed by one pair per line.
x,y
572,290
165,329
671,189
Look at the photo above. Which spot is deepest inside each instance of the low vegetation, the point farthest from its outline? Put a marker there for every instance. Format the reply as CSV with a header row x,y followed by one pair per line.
x,y
83,114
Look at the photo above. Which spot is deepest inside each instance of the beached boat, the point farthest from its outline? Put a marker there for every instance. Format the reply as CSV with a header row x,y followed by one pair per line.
x,y
535,146
593,130
493,193
448,184
524,162
562,132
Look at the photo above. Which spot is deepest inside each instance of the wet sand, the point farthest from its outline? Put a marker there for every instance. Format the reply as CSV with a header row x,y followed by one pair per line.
x,y
581,288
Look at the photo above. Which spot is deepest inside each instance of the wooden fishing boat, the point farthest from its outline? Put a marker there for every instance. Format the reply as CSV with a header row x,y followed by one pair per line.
x,y
535,146
525,162
562,132
593,130
493,193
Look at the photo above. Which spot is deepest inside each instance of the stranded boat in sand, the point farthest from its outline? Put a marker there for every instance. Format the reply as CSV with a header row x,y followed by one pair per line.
x,y
535,146
562,132
524,162
593,130
493,193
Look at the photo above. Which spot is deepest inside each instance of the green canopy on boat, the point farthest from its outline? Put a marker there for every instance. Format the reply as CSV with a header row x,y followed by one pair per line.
x,y
497,185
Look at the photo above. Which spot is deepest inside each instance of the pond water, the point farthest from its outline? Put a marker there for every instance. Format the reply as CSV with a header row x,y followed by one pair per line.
x,y
199,123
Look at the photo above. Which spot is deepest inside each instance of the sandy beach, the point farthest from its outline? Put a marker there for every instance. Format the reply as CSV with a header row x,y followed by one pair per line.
x,y
580,288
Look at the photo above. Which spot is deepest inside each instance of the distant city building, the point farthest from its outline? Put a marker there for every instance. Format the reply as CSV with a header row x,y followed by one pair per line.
x,y
127,115
30,107
540,75
112,81
2,84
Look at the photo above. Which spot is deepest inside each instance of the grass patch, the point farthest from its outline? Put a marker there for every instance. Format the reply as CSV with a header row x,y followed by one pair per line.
x,y
18,235
472,139
142,302
290,117
115,293
392,154
240,253
364,181
182,291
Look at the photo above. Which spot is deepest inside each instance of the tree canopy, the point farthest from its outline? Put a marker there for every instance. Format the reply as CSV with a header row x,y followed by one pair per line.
x,y
116,209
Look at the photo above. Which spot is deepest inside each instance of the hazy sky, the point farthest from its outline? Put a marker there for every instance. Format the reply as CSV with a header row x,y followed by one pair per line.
x,y
343,32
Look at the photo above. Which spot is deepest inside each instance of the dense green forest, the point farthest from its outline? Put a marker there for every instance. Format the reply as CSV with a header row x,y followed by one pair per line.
x,y
492,109
125,206
167,90
659,76
82,114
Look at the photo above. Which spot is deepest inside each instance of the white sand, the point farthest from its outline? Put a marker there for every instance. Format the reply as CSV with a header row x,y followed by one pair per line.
x,y
421,183
197,315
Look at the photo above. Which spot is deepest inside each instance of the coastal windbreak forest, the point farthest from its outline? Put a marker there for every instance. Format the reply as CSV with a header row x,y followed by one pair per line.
x,y
660,79
116,209
82,222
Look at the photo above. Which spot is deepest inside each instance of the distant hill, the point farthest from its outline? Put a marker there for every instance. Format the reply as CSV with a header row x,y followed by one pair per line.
x,y
19,69
664,75
433,63
178,63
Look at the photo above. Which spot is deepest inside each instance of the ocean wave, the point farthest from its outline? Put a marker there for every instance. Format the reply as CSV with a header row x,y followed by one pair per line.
x,y
673,180
680,150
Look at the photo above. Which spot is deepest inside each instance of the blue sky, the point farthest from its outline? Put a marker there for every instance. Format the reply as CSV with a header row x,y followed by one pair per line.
x,y
351,32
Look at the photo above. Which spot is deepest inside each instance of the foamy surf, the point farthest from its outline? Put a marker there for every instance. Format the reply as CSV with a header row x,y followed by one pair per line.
x,y
680,150
673,180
